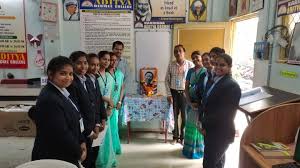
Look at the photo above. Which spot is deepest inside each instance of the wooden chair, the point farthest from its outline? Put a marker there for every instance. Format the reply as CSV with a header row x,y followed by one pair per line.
x,y
276,124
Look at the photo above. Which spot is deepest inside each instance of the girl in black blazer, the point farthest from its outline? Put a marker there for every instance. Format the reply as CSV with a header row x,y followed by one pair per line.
x,y
220,100
57,118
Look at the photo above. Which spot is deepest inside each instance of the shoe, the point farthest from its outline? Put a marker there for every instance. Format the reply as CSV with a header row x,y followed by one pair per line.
x,y
173,142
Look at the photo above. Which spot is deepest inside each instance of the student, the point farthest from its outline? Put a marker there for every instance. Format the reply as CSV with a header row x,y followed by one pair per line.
x,y
193,140
79,89
57,118
117,96
106,156
175,85
220,101
96,99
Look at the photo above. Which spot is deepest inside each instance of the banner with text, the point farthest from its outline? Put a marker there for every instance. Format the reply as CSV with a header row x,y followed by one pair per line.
x,y
156,14
107,4
286,7
100,28
13,51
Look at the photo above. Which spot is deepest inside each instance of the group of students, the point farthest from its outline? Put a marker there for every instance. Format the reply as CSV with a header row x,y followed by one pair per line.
x,y
206,97
82,98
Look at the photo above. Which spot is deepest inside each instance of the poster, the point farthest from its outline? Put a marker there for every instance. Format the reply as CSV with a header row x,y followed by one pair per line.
x,y
107,4
197,10
157,14
294,52
286,7
232,7
257,5
71,10
100,28
13,51
243,7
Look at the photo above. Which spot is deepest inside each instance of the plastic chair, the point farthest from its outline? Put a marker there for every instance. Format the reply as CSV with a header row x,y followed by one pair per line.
x,y
47,163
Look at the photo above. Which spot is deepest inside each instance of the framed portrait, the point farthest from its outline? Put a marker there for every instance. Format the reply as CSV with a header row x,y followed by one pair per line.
x,y
71,10
243,7
294,52
233,7
257,5
148,81
197,10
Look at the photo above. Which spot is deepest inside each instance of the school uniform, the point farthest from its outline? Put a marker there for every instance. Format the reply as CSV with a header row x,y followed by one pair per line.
x,y
79,90
58,126
218,109
98,108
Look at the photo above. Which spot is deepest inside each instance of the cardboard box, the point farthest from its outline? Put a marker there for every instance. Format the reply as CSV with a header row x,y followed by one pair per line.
x,y
16,124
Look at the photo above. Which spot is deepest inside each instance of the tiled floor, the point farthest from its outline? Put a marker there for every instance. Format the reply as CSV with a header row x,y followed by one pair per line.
x,y
145,150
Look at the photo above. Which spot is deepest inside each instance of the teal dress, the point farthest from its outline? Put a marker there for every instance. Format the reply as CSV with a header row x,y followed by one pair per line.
x,y
106,155
116,93
193,147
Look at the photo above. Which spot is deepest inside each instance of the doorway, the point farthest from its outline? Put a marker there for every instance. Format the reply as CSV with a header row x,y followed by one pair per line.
x,y
244,37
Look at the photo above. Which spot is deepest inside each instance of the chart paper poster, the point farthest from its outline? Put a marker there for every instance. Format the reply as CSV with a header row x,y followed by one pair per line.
x,y
13,51
156,14
100,28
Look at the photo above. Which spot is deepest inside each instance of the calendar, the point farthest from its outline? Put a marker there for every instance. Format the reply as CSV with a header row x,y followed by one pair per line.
x,y
48,11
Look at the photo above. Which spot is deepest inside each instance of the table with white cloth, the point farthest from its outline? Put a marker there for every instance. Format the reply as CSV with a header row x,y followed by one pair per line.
x,y
142,108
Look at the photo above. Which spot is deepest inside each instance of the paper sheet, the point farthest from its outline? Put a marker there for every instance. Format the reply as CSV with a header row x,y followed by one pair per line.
x,y
253,95
99,140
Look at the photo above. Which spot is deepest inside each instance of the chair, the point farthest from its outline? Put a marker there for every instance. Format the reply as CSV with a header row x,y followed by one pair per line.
x,y
47,163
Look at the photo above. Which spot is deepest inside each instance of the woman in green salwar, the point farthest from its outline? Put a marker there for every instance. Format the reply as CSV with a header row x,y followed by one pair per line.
x,y
117,96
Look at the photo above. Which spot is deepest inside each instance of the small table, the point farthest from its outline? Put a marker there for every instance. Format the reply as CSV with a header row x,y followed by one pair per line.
x,y
141,108
278,97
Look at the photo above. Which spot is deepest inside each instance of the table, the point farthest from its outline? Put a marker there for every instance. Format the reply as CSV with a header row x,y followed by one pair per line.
x,y
279,97
141,108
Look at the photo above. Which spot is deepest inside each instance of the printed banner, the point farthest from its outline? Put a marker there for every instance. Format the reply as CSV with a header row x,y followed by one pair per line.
x,y
100,28
13,51
156,14
107,4
286,7
197,10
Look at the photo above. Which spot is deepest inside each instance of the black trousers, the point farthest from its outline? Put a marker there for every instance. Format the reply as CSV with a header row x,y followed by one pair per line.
x,y
214,152
87,162
178,107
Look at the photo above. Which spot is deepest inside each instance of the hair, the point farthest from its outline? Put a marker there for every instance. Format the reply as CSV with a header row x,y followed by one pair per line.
x,y
149,72
101,54
112,54
76,55
217,50
227,58
180,46
206,53
91,55
117,43
10,75
58,63
197,52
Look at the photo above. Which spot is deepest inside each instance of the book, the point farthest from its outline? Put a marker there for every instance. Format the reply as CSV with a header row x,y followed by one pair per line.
x,y
273,150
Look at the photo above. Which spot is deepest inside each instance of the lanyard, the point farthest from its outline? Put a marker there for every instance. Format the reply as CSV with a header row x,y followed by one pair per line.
x,y
114,76
212,86
105,82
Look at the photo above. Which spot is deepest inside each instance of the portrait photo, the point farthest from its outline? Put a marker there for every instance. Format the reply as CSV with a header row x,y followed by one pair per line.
x,y
232,7
197,10
143,12
294,52
243,7
71,10
148,80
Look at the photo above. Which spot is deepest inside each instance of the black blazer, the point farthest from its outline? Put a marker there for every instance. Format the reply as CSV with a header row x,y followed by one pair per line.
x,y
217,115
81,97
96,100
58,129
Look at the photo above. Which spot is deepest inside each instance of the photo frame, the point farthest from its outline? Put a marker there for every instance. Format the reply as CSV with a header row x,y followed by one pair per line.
x,y
71,10
257,5
233,7
294,51
148,81
243,7
48,12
